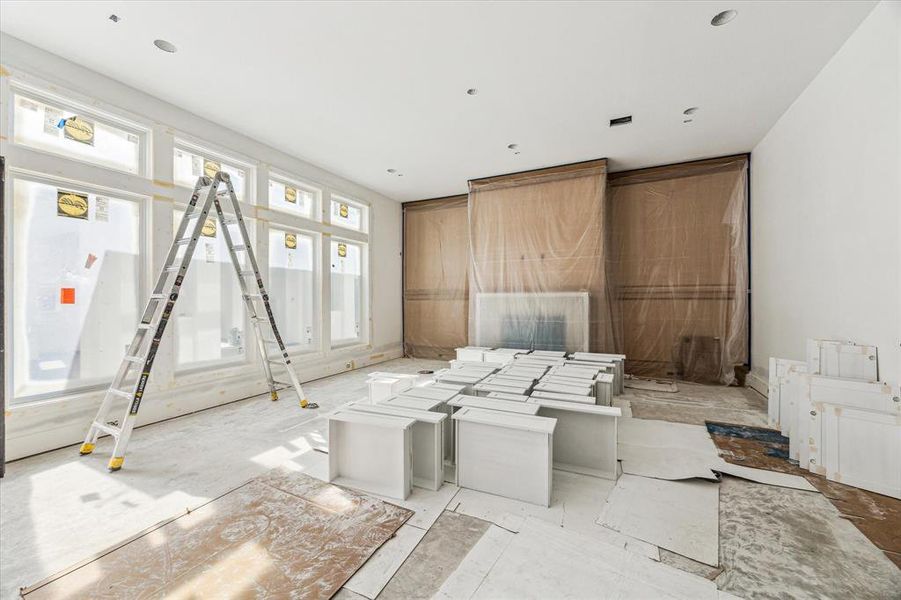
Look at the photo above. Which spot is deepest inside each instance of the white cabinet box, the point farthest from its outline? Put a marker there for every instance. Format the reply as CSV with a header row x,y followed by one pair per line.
x,y
352,462
507,454
503,396
589,400
428,441
585,436
564,388
471,353
483,389
513,406
382,388
833,358
618,361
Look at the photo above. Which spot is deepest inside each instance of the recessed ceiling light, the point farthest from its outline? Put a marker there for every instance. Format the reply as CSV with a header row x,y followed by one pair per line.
x,y
687,120
392,170
400,174
114,18
472,91
723,17
517,152
690,111
165,46
512,146
620,121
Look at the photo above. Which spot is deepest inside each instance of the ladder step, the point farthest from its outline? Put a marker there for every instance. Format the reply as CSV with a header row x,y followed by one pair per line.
x,y
282,383
183,241
260,319
247,273
120,393
230,220
253,295
134,359
110,429
239,247
172,269
158,296
145,326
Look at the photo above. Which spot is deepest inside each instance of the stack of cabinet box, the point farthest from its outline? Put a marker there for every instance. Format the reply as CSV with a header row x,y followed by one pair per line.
x,y
841,420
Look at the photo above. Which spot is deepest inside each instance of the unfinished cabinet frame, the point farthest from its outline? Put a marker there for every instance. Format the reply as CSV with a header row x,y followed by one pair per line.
x,y
848,360
353,437
777,389
507,454
585,436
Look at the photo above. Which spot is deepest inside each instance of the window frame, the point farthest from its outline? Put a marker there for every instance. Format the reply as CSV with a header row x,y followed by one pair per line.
x,y
316,349
363,338
343,199
317,191
189,144
24,88
144,285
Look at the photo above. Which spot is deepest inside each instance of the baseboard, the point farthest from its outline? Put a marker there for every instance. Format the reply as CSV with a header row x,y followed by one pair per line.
x,y
756,382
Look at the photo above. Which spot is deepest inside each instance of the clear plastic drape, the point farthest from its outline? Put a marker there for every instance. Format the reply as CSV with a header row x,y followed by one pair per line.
x,y
436,284
678,263
537,271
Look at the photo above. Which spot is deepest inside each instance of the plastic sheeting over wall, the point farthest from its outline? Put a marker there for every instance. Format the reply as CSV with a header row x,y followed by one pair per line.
x,y
678,251
436,281
650,263
538,268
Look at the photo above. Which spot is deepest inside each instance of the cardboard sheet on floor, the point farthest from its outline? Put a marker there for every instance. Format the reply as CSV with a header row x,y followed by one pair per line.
x,y
280,534
468,575
785,480
543,561
666,450
576,503
681,516
373,576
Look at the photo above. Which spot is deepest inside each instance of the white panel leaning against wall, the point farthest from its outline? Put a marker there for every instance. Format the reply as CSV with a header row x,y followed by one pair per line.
x,y
95,195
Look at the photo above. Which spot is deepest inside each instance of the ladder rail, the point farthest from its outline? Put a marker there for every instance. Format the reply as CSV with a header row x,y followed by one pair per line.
x,y
158,311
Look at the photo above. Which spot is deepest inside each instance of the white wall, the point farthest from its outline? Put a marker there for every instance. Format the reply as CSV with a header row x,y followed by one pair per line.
x,y
61,421
825,197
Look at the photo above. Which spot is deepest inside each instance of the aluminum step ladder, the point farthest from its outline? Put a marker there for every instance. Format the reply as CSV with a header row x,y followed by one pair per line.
x,y
131,378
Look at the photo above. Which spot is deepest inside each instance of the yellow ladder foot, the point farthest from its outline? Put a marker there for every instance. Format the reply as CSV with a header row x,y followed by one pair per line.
x,y
115,463
86,449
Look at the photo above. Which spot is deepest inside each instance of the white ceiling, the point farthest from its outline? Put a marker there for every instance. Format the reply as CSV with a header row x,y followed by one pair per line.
x,y
361,87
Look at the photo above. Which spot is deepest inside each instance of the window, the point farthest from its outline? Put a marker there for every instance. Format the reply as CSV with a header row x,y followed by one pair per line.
x,y
76,274
294,197
346,292
347,214
77,134
191,164
209,314
292,287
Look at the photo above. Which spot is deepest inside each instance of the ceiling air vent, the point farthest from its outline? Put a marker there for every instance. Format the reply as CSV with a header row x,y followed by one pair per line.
x,y
620,121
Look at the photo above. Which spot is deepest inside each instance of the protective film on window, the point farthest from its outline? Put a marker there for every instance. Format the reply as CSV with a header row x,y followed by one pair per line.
x,y
293,198
76,273
345,214
292,287
209,316
346,291
189,165
69,133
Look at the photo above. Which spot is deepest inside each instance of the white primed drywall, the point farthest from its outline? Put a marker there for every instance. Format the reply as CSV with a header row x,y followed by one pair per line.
x,y
826,206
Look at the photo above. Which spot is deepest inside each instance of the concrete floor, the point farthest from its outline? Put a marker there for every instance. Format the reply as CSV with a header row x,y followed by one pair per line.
x,y
58,508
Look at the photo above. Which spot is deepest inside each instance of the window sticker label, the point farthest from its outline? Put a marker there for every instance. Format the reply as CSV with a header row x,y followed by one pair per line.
x,y
211,167
70,204
290,195
342,250
290,241
101,209
209,228
79,130
342,210
52,117
67,295
196,165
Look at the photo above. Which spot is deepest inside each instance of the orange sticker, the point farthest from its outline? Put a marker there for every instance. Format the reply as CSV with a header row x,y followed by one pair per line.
x,y
67,295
